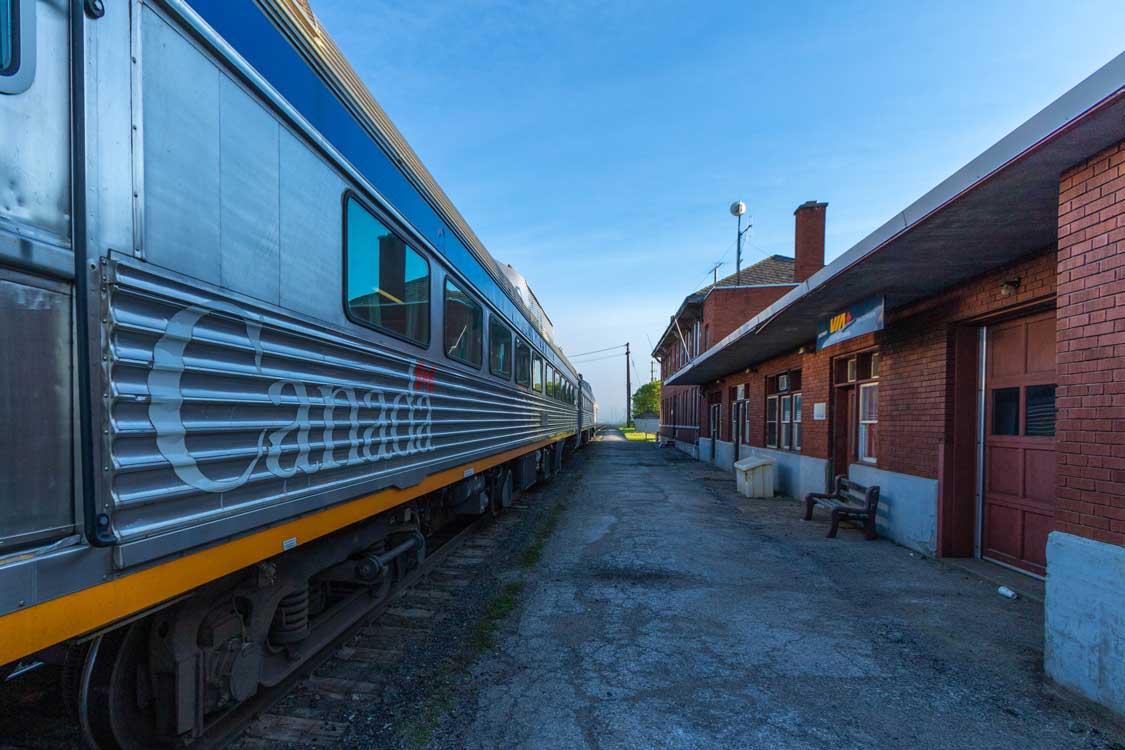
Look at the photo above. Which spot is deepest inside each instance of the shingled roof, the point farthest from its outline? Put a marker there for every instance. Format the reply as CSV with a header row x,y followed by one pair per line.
x,y
776,269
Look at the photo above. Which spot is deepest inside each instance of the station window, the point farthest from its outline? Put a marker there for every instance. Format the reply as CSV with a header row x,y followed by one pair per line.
x,y
797,403
868,422
786,421
783,410
387,281
523,362
1039,411
536,372
499,349
464,326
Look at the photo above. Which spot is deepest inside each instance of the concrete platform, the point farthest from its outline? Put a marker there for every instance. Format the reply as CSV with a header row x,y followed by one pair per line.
x,y
668,612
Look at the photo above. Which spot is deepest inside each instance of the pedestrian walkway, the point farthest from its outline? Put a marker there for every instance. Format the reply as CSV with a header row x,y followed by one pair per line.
x,y
668,612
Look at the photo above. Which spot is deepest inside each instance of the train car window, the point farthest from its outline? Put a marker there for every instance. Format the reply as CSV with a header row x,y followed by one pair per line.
x,y
387,281
464,326
523,362
499,349
536,372
549,379
9,39
17,45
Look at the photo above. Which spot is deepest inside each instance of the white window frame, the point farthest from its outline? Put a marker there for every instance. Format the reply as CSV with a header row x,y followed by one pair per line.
x,y
865,424
785,421
798,405
775,421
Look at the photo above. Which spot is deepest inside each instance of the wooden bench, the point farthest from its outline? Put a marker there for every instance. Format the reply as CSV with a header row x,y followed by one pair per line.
x,y
849,500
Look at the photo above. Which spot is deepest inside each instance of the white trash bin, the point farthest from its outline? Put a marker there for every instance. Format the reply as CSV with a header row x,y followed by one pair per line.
x,y
754,475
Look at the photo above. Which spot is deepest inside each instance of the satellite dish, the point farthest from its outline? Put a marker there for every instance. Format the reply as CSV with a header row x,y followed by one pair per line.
x,y
737,208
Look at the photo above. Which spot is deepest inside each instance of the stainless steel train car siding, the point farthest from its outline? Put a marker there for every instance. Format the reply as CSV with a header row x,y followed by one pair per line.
x,y
172,210
227,416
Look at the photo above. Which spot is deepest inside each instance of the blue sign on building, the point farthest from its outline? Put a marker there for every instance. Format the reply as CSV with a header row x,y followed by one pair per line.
x,y
858,319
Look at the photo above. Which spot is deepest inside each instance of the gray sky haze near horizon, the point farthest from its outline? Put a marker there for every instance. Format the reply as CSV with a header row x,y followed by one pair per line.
x,y
596,146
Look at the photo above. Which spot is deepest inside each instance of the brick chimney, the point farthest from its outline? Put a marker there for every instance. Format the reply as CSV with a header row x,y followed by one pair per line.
x,y
808,239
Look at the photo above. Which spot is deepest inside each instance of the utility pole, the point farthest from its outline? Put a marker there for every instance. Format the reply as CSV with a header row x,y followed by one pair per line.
x,y
651,370
628,390
737,209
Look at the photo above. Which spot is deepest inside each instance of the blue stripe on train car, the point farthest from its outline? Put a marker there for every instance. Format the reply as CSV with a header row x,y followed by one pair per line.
x,y
247,29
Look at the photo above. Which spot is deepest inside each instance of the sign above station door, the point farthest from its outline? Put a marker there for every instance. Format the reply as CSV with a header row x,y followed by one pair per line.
x,y
858,319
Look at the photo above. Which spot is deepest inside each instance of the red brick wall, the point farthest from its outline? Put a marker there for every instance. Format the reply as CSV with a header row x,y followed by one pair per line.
x,y
1091,349
915,399
676,409
725,309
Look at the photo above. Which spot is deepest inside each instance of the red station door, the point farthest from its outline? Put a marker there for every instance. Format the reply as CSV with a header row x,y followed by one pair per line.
x,y
1019,444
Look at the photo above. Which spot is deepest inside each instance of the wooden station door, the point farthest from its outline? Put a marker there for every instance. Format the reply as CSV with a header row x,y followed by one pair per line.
x,y
1019,442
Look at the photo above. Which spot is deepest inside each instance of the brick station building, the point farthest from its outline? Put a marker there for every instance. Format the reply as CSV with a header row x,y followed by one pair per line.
x,y
968,357
710,314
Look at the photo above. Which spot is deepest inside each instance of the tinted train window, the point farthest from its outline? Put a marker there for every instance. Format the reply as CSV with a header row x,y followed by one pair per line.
x,y
523,363
464,326
9,39
537,372
499,349
388,283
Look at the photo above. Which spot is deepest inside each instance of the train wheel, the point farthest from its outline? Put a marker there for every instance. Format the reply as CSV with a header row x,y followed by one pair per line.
x,y
72,677
500,496
115,700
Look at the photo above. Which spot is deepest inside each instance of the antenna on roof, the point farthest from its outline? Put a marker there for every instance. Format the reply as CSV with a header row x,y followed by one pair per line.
x,y
715,272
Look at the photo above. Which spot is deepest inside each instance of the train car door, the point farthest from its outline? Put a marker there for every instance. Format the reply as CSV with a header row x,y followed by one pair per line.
x,y
36,276
1019,442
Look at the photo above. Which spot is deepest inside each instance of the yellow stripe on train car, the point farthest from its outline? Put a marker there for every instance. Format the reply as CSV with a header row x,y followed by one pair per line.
x,y
32,629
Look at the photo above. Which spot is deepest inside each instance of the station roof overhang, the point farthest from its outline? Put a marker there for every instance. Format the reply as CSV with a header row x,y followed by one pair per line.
x,y
999,207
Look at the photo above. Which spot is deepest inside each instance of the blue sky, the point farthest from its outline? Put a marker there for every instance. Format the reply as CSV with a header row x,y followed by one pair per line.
x,y
595,146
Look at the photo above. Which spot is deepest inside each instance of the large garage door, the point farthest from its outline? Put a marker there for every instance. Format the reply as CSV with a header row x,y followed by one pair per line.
x,y
1019,428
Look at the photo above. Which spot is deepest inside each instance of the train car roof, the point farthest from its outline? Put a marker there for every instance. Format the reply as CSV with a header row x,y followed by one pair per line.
x,y
297,23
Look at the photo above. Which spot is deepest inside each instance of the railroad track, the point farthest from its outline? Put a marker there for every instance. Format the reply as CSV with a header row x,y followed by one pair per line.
x,y
338,677
307,709
315,705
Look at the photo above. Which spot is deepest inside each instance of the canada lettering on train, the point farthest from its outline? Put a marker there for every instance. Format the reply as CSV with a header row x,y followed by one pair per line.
x,y
398,421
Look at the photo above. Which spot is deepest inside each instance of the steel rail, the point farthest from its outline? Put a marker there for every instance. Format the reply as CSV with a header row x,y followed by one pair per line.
x,y
229,727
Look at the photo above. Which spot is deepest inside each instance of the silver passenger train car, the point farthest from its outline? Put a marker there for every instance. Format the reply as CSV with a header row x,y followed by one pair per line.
x,y
254,356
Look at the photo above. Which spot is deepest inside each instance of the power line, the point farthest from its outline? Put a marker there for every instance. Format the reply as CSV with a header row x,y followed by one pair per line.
x,y
598,359
596,351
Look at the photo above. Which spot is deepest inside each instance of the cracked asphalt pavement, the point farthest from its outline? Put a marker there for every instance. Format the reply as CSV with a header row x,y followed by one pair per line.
x,y
668,612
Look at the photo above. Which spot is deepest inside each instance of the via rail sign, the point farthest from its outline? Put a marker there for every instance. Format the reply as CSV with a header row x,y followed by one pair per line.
x,y
858,319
